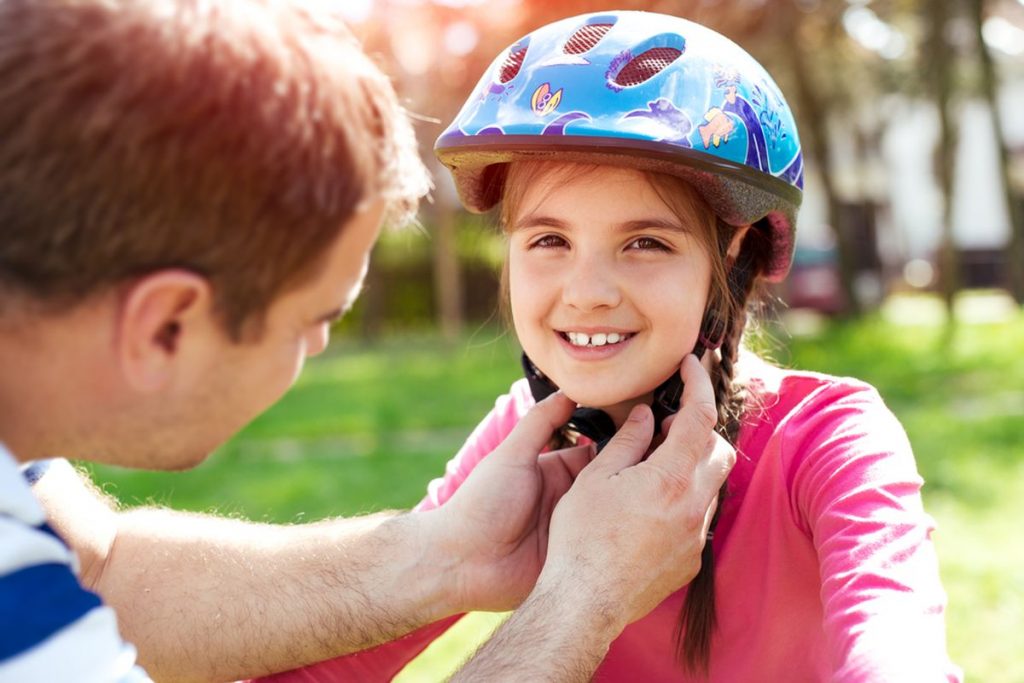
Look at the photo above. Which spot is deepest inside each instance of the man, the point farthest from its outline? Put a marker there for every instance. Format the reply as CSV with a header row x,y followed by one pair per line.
x,y
189,193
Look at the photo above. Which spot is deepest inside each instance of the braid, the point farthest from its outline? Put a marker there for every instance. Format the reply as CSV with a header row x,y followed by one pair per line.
x,y
697,620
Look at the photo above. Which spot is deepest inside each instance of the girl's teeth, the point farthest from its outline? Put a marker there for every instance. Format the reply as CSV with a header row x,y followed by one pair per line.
x,y
598,339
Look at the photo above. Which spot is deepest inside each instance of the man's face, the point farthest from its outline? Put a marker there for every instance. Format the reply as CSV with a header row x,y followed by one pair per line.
x,y
242,379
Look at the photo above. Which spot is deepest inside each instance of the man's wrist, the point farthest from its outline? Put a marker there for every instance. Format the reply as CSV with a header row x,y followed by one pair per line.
x,y
565,629
581,599
438,564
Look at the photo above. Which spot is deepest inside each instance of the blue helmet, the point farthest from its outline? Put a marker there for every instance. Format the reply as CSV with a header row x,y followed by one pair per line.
x,y
644,90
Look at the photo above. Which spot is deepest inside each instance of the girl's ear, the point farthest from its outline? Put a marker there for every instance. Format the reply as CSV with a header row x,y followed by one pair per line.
x,y
735,244
159,314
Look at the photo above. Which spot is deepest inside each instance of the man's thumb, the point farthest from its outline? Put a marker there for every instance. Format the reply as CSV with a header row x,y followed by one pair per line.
x,y
534,430
630,443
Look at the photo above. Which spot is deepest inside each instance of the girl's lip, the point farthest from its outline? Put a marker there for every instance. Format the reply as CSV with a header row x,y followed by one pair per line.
x,y
594,353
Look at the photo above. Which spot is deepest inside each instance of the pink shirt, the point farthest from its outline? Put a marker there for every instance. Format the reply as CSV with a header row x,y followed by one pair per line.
x,y
825,569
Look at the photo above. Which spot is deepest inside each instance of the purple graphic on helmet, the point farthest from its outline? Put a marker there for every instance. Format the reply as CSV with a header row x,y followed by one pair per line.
x,y
675,121
557,127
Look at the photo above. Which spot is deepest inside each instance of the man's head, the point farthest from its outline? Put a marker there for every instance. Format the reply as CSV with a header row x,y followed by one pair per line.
x,y
232,139
177,177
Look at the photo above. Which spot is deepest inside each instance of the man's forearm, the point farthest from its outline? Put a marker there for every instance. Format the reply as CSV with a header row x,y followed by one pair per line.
x,y
551,637
207,598
251,599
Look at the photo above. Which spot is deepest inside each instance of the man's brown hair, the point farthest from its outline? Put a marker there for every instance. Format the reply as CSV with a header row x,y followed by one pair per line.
x,y
232,138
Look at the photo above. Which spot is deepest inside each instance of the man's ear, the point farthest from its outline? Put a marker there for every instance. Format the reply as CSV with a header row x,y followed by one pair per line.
x,y
159,313
735,244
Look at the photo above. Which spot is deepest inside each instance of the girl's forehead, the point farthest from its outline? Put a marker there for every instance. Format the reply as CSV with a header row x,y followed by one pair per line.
x,y
605,190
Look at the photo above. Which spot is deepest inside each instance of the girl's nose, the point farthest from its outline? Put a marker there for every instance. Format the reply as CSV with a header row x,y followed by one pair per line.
x,y
591,283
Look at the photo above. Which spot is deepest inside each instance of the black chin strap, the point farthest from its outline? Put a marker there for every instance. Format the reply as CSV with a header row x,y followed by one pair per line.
x,y
597,425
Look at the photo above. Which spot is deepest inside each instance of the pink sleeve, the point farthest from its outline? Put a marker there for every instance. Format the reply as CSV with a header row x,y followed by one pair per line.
x,y
856,488
385,661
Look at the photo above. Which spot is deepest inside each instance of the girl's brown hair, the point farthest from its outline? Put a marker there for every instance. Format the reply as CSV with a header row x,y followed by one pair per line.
x,y
729,295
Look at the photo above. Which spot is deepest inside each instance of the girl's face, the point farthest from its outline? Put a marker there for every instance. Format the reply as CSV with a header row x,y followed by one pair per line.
x,y
607,284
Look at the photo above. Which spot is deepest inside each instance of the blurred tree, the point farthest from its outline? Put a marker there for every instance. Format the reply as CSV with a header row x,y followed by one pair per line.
x,y
989,85
816,96
938,65
435,54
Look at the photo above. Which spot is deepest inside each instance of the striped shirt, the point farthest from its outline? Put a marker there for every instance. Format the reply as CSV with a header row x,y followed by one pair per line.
x,y
51,628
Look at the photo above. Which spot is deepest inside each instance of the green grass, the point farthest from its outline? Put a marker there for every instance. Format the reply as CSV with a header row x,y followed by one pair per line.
x,y
366,428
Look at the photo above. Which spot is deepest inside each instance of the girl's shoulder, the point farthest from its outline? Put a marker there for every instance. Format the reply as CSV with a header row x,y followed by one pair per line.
x,y
809,426
776,389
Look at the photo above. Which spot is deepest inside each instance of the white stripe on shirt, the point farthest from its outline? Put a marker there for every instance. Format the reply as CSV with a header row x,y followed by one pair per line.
x,y
85,649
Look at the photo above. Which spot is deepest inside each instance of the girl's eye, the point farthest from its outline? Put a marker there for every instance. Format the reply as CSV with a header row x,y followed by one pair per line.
x,y
648,243
549,242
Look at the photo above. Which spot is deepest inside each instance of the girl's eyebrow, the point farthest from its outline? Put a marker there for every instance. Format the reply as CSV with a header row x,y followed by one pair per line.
x,y
535,220
656,223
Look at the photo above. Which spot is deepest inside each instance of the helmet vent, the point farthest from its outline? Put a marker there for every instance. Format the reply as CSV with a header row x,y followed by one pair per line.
x,y
646,65
513,63
585,38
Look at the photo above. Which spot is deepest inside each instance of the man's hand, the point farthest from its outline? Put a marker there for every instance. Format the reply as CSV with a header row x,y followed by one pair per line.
x,y
496,524
629,533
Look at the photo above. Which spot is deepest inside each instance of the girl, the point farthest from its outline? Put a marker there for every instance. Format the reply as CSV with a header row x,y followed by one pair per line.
x,y
648,173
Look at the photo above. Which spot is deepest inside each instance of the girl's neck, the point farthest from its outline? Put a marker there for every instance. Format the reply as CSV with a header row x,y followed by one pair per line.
x,y
620,411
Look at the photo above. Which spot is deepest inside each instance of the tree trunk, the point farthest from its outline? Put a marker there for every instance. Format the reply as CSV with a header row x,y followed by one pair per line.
x,y
938,54
814,118
989,86
447,275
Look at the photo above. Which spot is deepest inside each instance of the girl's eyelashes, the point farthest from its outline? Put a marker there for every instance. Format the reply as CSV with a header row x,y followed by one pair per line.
x,y
649,243
549,241
556,241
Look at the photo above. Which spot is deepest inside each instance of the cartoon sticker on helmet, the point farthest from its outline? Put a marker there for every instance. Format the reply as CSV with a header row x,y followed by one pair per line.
x,y
717,129
566,60
614,67
720,125
557,127
768,105
496,89
544,101
670,119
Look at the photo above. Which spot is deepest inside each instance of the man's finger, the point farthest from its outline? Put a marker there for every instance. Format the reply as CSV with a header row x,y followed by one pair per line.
x,y
572,459
712,471
534,431
630,443
692,426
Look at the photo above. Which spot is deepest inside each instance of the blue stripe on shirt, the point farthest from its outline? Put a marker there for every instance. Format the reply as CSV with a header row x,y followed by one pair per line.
x,y
37,602
35,470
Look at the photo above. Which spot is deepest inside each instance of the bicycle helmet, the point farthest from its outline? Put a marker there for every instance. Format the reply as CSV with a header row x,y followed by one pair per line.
x,y
638,89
